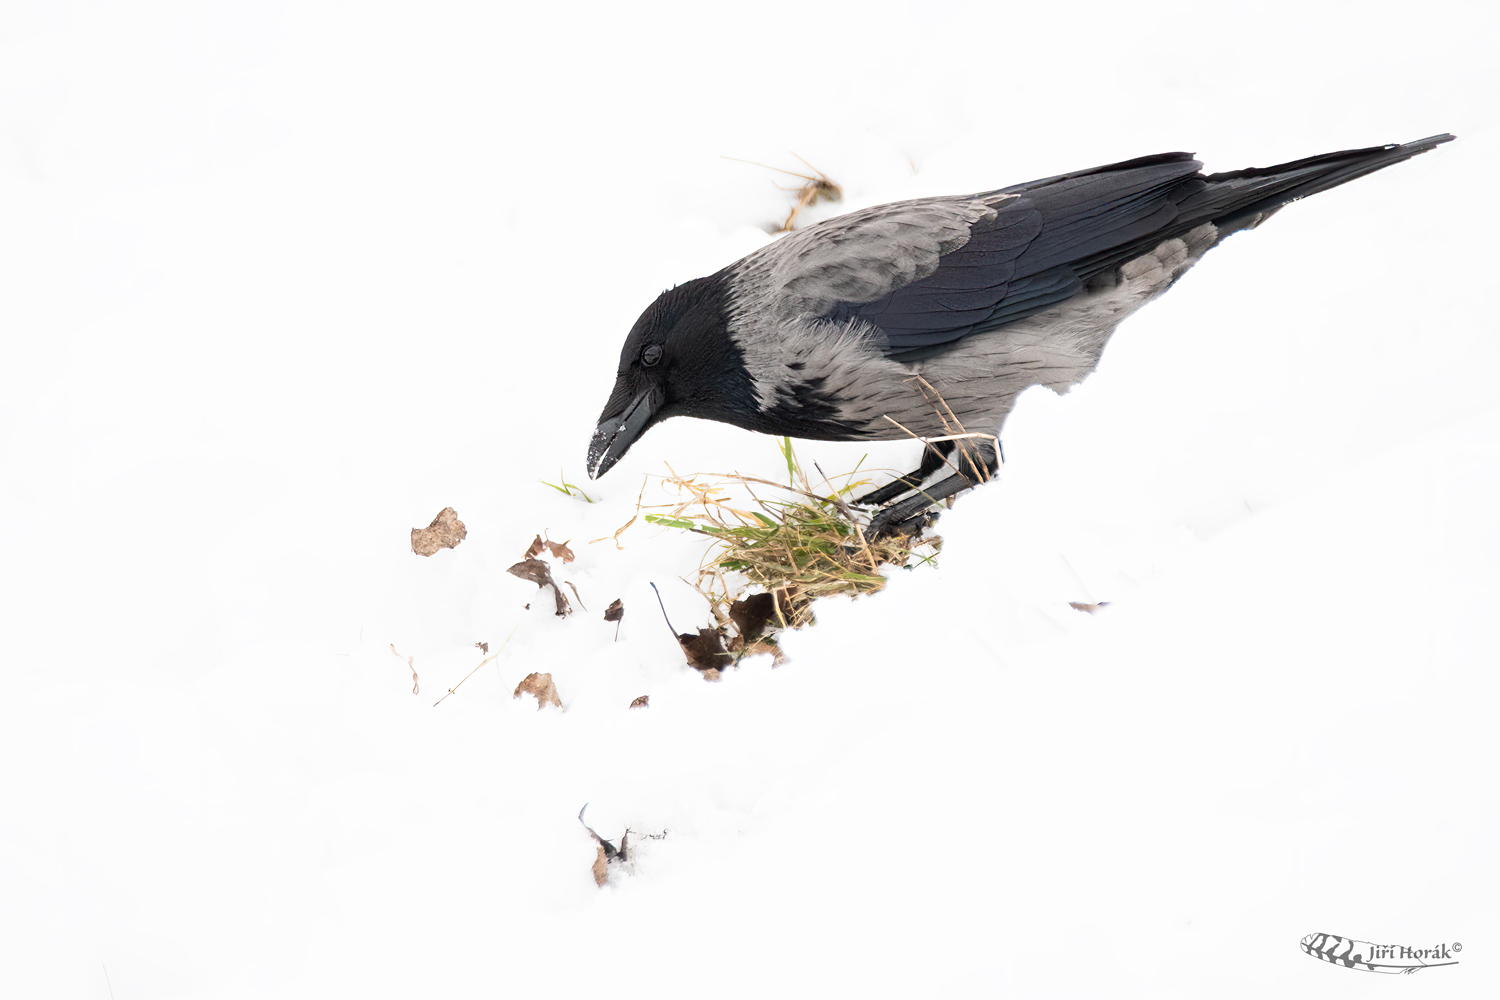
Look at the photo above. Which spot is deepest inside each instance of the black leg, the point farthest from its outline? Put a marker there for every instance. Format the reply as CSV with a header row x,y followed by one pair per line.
x,y
933,456
976,464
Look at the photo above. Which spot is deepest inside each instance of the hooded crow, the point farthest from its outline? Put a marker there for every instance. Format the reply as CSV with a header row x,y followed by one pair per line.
x,y
929,317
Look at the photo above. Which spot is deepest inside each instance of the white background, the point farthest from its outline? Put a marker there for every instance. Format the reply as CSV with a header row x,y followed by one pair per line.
x,y
280,281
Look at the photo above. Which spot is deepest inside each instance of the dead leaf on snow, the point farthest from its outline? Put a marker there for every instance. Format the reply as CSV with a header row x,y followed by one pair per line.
x,y
541,687
445,532
615,611
1090,608
705,651
752,615
532,569
540,574
754,648
644,701
607,854
558,550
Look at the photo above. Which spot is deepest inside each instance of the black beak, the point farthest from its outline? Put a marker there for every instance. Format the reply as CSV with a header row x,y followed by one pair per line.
x,y
614,435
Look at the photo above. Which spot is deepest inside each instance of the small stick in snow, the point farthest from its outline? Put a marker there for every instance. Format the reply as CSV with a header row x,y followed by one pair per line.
x,y
471,673
664,612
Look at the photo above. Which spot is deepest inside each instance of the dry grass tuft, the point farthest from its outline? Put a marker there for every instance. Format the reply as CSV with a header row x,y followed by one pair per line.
x,y
799,547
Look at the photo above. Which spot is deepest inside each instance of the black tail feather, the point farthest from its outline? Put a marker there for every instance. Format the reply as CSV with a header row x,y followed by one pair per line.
x,y
1244,198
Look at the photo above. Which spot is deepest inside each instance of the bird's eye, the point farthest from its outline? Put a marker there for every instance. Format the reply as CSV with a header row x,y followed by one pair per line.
x,y
651,355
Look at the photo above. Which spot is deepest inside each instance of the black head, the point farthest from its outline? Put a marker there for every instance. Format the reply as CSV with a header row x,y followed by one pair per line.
x,y
678,360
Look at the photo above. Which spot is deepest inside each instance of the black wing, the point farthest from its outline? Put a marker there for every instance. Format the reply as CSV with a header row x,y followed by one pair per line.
x,y
1038,250
1047,241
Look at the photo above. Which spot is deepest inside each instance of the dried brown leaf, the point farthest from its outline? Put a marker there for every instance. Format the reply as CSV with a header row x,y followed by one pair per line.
x,y
561,551
777,656
752,615
534,570
540,574
705,651
1090,608
536,548
541,687
615,611
644,701
607,854
445,532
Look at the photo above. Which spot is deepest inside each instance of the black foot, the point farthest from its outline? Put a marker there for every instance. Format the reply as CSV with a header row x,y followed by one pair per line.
x,y
977,465
933,456
889,523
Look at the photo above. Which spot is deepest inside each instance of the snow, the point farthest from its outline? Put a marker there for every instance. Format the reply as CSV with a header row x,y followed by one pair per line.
x,y
280,282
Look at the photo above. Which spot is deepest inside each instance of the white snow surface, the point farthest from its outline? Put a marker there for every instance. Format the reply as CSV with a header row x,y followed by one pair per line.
x,y
280,281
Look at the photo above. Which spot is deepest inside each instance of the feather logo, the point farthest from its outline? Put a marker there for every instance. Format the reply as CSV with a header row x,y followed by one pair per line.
x,y
1390,959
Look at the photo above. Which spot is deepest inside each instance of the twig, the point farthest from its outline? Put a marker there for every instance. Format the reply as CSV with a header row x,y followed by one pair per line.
x,y
664,612
471,673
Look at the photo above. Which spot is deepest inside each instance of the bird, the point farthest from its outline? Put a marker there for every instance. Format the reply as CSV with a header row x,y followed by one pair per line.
x,y
927,318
